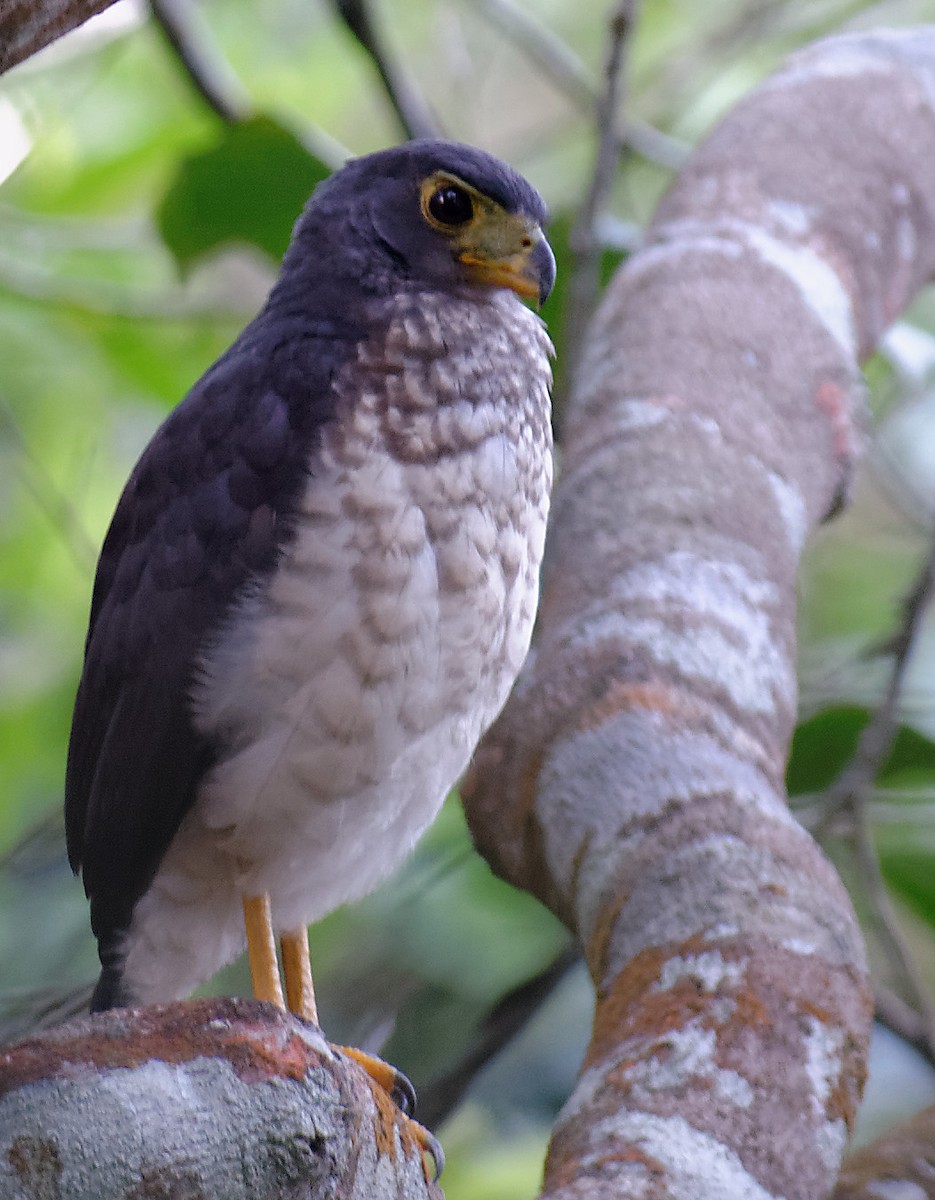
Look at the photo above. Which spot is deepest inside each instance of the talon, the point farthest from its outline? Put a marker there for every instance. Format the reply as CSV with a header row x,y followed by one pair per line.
x,y
400,1090
403,1094
430,1146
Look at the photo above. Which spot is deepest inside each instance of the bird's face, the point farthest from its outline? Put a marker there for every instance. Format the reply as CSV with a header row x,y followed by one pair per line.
x,y
491,245
432,214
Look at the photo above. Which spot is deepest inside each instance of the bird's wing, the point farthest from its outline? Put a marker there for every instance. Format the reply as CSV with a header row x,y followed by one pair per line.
x,y
205,512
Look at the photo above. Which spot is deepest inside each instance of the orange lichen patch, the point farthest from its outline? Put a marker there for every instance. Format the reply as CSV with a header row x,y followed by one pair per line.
x,y
633,1007
564,1165
258,1041
844,1097
623,696
749,1010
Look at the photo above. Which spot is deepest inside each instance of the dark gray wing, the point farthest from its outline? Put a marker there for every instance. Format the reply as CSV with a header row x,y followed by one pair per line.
x,y
207,510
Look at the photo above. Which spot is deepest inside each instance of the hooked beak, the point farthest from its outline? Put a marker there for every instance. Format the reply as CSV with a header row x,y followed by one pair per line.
x,y
529,271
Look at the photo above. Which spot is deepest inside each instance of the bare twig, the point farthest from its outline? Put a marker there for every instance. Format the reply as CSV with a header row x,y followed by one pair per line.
x,y
554,57
902,1019
55,503
856,781
850,794
415,116
25,27
207,71
501,1025
891,939
585,243
568,72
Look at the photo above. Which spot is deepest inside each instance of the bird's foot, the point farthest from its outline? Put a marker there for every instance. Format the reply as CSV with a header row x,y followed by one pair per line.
x,y
403,1094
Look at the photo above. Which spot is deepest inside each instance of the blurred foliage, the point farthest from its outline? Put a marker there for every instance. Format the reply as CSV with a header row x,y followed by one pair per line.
x,y
138,234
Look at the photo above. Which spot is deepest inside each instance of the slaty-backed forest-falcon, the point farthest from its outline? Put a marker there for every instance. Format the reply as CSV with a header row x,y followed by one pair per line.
x,y
320,581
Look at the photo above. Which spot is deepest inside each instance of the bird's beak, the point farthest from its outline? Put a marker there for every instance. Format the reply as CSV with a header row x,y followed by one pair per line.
x,y
528,270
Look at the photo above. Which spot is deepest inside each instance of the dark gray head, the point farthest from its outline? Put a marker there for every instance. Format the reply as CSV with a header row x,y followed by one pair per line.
x,y
426,214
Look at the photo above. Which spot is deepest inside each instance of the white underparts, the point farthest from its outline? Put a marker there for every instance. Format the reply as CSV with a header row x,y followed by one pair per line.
x,y
353,687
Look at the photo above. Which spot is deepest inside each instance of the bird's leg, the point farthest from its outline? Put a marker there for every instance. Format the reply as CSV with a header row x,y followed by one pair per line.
x,y
297,972
261,949
300,995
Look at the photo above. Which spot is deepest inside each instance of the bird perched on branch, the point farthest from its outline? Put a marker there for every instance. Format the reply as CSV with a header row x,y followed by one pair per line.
x,y
320,581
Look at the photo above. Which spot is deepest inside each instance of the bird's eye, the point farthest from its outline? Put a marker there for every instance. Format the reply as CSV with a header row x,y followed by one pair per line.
x,y
450,205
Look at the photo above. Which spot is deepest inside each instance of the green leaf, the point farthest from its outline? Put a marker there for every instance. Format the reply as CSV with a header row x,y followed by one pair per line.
x,y
907,858
249,187
911,760
823,746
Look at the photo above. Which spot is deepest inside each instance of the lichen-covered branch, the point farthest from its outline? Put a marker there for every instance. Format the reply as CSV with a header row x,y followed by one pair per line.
x,y
207,1098
26,26
635,782
898,1166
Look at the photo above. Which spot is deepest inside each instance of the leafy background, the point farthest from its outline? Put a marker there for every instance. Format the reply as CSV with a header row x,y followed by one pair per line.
x,y
139,232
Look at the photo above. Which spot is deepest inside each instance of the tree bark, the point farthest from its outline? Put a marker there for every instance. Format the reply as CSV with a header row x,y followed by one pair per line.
x,y
26,26
198,1101
635,781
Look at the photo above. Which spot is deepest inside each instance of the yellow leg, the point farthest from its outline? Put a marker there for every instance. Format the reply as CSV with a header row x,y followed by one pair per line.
x,y
297,972
261,948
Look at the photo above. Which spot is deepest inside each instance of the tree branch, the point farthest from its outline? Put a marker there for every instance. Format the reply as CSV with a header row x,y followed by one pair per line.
x,y
210,1098
415,116
850,796
501,1025
567,71
585,243
635,781
27,26
208,73
898,1166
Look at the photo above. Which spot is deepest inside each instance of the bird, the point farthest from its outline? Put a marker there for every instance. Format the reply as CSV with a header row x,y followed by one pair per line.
x,y
320,581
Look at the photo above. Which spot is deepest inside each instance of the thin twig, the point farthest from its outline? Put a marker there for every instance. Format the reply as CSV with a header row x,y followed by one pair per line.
x,y
507,1019
568,72
554,57
902,1019
415,116
55,503
585,242
851,791
209,74
891,939
855,783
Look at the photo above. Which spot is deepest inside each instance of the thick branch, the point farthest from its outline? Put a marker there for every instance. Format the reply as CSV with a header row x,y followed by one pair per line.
x,y
209,1098
635,780
26,26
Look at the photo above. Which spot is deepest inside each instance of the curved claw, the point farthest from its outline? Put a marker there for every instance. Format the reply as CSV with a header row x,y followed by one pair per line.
x,y
402,1093
430,1145
400,1090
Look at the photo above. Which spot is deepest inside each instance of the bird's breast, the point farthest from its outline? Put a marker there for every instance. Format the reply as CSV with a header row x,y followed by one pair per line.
x,y
347,691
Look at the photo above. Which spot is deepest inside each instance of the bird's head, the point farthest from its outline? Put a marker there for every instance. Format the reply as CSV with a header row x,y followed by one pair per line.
x,y
429,214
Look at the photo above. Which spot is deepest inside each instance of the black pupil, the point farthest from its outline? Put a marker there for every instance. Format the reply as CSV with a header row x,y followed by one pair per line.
x,y
451,205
